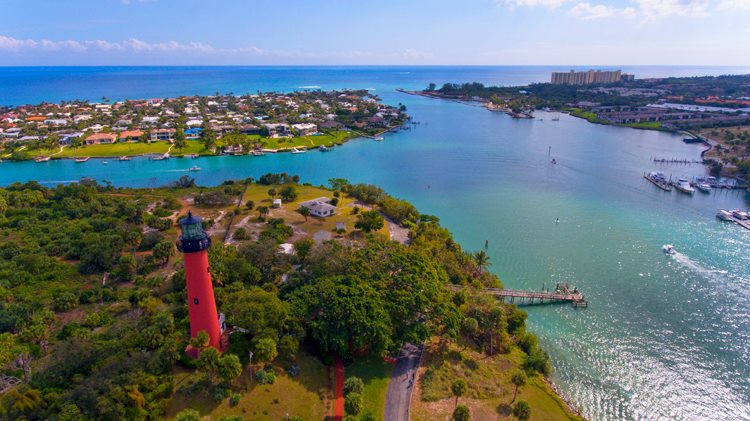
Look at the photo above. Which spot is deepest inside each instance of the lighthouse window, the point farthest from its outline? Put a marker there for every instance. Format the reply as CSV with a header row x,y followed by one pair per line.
x,y
195,301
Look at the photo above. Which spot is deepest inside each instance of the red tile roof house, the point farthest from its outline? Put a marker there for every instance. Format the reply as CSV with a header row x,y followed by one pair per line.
x,y
99,138
131,136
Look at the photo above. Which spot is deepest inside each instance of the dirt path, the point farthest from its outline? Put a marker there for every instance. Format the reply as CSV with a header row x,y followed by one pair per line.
x,y
397,232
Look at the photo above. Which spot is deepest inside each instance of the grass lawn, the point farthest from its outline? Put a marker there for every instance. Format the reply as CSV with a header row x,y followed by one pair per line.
x,y
490,390
305,396
259,194
649,125
376,374
122,148
591,117
334,138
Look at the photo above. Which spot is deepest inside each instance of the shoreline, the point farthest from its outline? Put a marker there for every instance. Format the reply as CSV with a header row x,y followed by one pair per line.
x,y
355,135
706,162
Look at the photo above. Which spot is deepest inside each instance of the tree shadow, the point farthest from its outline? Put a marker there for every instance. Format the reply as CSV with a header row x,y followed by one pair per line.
x,y
504,410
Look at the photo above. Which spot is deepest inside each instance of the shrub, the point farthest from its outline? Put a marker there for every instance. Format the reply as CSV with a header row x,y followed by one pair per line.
x,y
241,234
353,403
188,415
354,385
265,377
234,399
65,301
461,413
522,410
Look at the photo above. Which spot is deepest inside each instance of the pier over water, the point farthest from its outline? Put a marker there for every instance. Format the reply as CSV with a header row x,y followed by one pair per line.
x,y
562,294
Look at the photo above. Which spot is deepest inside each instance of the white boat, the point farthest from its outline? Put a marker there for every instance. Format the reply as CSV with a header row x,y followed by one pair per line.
x,y
324,148
195,168
668,249
740,215
684,186
195,155
124,158
256,152
295,150
81,160
105,162
379,138
42,159
725,215
703,186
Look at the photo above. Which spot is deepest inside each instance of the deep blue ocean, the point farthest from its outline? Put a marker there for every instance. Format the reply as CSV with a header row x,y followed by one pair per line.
x,y
663,338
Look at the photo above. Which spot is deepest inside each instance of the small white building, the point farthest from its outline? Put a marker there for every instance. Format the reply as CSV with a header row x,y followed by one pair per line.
x,y
320,207
276,203
286,248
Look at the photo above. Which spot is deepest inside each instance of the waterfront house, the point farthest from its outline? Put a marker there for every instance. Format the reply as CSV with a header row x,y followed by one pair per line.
x,y
331,125
100,138
67,138
249,129
131,136
278,130
320,207
193,133
304,129
162,134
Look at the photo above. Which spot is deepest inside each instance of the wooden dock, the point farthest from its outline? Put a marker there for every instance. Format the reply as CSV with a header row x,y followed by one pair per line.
x,y
562,294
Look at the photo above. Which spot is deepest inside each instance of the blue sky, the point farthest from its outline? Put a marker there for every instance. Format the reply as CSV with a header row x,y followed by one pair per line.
x,y
479,32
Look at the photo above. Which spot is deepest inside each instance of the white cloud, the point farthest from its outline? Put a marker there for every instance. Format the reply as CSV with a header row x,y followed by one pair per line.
x,y
734,4
587,11
133,44
655,9
550,4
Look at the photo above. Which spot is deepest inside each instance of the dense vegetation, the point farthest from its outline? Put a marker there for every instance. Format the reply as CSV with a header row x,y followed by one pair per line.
x,y
93,314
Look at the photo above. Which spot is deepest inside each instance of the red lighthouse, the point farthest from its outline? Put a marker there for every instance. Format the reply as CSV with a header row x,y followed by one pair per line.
x,y
194,243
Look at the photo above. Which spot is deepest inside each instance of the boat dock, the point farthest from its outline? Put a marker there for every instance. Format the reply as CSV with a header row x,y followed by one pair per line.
x,y
729,216
562,294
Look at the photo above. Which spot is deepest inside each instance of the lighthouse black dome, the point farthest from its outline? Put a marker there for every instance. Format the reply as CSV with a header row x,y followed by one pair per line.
x,y
193,238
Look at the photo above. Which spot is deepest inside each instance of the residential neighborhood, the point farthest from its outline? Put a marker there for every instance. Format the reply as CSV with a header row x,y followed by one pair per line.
x,y
220,123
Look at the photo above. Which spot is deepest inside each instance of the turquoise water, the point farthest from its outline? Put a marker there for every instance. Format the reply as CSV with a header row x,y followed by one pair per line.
x,y
662,338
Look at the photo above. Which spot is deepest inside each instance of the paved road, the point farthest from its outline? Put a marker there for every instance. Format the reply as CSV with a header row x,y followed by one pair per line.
x,y
402,382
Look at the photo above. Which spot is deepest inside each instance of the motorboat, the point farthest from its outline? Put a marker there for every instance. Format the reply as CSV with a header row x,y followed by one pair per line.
x,y
379,138
668,249
195,155
82,160
195,168
740,215
295,150
42,159
684,186
124,158
725,215
105,162
256,152
659,180
324,148
703,186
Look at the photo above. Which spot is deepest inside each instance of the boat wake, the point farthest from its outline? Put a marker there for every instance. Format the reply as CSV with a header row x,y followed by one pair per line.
x,y
688,263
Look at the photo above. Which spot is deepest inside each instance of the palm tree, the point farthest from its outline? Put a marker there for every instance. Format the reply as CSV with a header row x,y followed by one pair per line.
x,y
458,388
482,260
305,212
518,379
262,211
